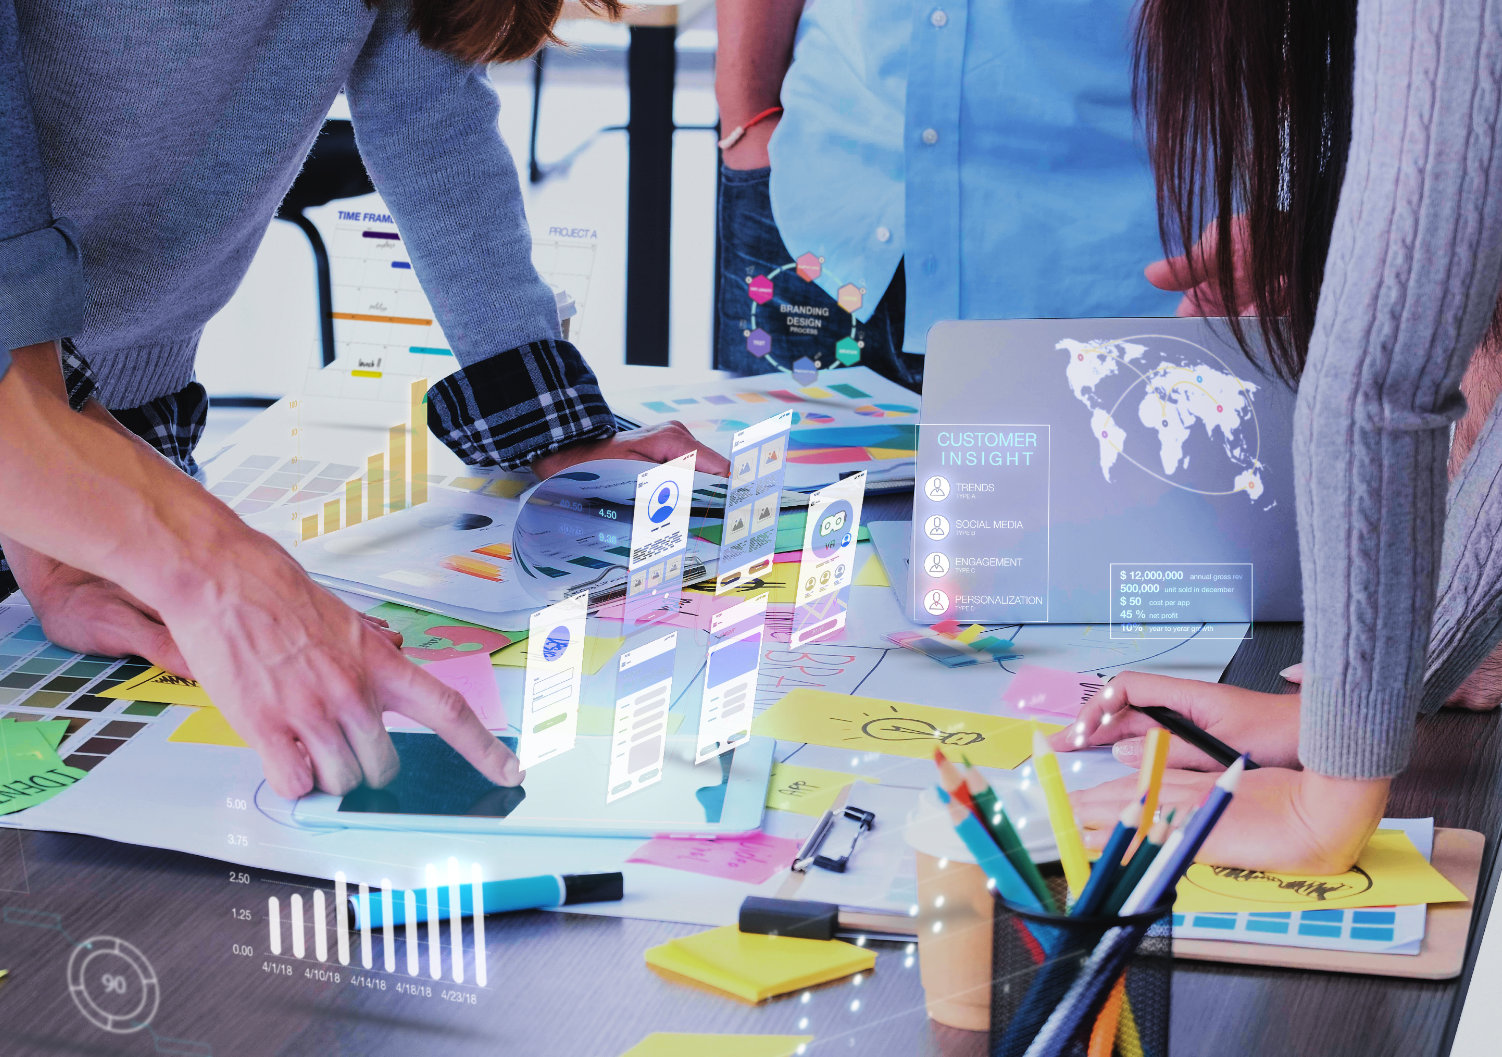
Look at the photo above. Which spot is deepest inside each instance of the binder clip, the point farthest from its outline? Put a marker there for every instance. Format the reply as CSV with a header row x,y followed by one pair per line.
x,y
812,850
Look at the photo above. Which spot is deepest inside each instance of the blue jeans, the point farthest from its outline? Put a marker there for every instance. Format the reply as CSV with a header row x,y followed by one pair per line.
x,y
798,320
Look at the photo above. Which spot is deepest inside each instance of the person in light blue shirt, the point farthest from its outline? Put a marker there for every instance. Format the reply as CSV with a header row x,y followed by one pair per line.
x,y
942,159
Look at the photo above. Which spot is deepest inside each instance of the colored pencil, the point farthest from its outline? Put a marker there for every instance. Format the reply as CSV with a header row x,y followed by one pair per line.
x,y
1137,865
1150,780
1061,815
952,781
993,816
1176,858
1202,740
1108,867
988,856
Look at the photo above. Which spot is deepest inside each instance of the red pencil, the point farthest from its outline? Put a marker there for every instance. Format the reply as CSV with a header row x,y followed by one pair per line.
x,y
953,782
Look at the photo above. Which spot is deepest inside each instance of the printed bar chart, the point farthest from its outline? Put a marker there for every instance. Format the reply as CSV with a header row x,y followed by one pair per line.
x,y
399,917
394,479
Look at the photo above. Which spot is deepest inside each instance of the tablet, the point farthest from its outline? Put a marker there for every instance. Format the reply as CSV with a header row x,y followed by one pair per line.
x,y
438,790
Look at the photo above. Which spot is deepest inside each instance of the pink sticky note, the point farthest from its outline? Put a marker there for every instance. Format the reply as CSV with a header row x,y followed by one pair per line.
x,y
1038,689
472,675
947,627
751,859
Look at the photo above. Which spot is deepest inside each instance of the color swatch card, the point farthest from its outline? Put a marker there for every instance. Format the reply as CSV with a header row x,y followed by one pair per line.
x,y
735,641
752,859
754,968
555,672
758,456
643,694
853,420
1390,872
827,565
869,724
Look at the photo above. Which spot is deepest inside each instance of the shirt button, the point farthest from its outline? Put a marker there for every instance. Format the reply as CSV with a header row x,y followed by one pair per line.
x,y
883,234
939,18
930,136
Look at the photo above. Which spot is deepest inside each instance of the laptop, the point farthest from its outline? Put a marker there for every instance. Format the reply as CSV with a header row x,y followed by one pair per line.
x,y
1136,472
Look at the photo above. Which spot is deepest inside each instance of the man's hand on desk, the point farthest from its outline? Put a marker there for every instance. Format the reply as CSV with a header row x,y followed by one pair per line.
x,y
80,611
650,443
305,680
83,612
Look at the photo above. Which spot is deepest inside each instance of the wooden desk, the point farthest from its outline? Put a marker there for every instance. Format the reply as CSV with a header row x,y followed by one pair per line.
x,y
565,985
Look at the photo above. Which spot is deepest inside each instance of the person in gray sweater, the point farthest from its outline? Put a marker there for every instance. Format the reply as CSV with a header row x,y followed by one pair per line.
x,y
1373,223
144,147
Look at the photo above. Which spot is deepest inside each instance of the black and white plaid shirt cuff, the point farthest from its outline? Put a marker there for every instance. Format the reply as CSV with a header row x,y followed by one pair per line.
x,y
78,378
515,406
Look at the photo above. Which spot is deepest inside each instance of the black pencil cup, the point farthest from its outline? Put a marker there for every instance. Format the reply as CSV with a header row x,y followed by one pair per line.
x,y
1052,977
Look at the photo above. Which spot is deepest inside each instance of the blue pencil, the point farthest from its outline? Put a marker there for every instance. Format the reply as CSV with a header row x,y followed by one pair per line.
x,y
1159,883
1108,866
1114,951
988,856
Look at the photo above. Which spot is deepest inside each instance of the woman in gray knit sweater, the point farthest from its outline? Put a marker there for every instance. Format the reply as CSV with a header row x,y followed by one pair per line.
x,y
1360,143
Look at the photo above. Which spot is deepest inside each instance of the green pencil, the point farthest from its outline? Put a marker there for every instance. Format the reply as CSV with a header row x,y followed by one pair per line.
x,y
1137,865
994,817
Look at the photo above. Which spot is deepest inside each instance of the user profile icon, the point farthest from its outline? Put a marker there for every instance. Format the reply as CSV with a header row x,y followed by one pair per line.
x,y
936,564
936,487
936,527
936,602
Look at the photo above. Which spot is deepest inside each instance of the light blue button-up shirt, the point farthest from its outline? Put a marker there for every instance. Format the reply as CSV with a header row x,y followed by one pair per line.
x,y
991,144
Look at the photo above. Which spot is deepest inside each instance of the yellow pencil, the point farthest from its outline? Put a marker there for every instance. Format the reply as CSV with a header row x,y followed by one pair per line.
x,y
1060,816
1150,780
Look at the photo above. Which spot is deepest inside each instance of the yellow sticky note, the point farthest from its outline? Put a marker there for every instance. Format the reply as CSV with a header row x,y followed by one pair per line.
x,y
596,652
806,790
674,1044
207,726
754,968
872,574
870,724
161,687
970,634
1390,872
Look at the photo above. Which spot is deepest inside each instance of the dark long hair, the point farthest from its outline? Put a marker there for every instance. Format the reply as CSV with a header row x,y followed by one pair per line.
x,y
491,30
1247,106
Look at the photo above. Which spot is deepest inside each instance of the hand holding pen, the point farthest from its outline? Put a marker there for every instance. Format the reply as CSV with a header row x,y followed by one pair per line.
x,y
1264,726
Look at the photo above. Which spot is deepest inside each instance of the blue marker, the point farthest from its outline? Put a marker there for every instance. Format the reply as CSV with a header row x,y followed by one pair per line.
x,y
520,893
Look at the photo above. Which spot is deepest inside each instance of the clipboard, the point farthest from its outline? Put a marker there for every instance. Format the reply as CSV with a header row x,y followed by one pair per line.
x,y
1457,855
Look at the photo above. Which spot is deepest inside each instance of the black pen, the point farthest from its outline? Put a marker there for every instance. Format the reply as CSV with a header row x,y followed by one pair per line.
x,y
1203,740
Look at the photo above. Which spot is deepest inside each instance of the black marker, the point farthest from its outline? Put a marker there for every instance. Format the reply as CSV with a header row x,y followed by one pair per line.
x,y
1202,740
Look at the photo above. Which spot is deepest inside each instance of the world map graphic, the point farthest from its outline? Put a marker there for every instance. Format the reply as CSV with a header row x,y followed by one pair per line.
x,y
1170,408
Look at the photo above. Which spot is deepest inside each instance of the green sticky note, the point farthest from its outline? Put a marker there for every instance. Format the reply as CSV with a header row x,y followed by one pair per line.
x,y
430,637
30,771
55,730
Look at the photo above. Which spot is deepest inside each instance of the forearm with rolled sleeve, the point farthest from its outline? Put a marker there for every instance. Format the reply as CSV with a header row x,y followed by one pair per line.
x,y
41,268
1410,284
427,129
